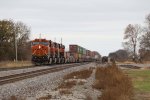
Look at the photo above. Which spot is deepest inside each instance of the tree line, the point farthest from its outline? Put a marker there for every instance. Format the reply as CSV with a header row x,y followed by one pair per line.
x,y
11,32
137,40
136,43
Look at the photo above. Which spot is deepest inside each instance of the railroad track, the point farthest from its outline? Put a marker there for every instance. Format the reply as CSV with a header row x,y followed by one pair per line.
x,y
21,76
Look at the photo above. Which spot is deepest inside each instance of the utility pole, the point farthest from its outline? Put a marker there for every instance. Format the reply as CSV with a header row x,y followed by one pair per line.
x,y
16,46
54,39
40,36
61,40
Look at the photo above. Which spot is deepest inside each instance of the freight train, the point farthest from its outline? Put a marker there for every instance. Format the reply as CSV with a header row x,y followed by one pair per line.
x,y
50,52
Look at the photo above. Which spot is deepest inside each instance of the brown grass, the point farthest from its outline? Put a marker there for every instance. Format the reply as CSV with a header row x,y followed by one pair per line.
x,y
83,74
68,84
81,83
64,91
115,84
45,97
142,95
15,98
146,62
11,64
88,97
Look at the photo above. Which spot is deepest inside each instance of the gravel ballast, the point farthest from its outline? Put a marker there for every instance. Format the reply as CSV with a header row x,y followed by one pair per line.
x,y
18,71
29,89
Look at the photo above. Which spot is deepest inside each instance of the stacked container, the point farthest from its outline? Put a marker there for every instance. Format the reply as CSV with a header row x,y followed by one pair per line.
x,y
84,51
79,53
81,50
74,48
74,51
88,55
67,55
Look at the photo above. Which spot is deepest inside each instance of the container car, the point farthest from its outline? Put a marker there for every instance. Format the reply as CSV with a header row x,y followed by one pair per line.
x,y
74,48
49,52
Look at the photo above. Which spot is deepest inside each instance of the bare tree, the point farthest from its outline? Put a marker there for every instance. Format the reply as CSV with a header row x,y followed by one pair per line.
x,y
148,21
131,36
9,32
145,39
23,32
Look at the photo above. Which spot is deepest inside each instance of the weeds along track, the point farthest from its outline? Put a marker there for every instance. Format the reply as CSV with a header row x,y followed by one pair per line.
x,y
21,76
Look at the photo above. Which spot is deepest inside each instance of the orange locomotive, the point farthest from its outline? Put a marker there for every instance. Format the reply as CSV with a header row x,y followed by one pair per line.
x,y
47,51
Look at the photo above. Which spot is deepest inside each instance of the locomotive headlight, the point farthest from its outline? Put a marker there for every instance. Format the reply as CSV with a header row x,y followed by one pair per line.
x,y
39,47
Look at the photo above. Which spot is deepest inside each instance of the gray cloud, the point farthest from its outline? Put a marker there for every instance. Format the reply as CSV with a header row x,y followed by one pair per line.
x,y
95,24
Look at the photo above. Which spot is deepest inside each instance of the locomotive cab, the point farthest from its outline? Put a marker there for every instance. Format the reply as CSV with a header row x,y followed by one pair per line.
x,y
39,50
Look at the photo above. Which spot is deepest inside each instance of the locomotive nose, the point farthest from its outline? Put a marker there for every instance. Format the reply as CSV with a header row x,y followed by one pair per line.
x,y
40,50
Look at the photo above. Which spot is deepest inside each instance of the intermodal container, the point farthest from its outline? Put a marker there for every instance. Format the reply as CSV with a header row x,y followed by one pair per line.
x,y
74,48
92,54
88,52
79,56
84,51
80,50
67,54
84,57
74,55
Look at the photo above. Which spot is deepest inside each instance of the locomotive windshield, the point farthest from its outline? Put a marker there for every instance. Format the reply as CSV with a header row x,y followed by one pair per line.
x,y
34,43
43,43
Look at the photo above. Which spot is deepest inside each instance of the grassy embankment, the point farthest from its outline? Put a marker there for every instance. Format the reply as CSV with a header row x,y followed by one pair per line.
x,y
113,83
13,64
141,83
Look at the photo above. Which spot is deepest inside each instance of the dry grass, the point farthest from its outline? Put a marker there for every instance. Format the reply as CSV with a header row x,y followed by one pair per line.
x,y
68,84
45,97
131,62
142,95
11,64
83,74
81,83
64,91
88,97
146,67
146,62
114,84
14,98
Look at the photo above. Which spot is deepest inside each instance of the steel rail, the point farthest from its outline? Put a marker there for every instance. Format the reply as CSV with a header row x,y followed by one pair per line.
x,y
21,76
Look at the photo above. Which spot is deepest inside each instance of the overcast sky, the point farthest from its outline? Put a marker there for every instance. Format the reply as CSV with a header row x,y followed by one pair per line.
x,y
94,24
